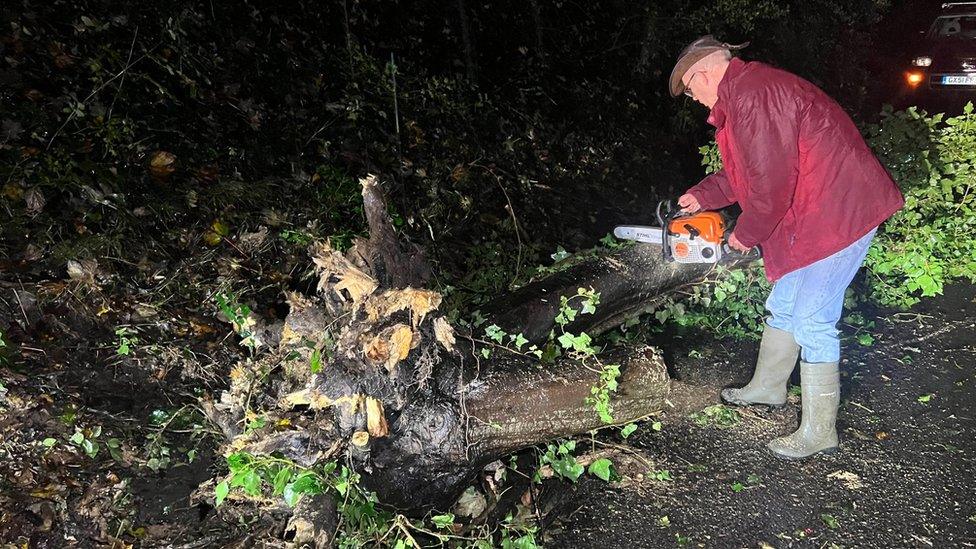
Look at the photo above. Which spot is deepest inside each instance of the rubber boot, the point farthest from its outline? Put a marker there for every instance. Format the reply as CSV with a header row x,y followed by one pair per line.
x,y
777,358
820,383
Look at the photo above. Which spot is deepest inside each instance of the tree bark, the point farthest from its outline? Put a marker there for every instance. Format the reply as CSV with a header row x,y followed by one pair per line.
x,y
436,448
629,281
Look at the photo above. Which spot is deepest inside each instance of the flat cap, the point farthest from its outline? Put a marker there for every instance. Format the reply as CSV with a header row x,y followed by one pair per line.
x,y
693,53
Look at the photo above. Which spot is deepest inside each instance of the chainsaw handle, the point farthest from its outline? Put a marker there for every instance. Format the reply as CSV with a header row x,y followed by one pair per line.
x,y
754,252
728,251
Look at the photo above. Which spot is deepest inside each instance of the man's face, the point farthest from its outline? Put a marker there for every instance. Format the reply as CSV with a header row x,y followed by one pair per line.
x,y
701,86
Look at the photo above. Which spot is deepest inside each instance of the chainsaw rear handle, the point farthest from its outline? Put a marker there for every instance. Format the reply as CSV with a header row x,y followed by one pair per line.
x,y
728,251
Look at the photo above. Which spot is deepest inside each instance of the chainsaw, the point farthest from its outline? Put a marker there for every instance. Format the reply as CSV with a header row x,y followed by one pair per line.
x,y
687,238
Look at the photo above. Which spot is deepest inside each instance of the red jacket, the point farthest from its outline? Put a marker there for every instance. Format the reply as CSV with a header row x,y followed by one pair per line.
x,y
806,181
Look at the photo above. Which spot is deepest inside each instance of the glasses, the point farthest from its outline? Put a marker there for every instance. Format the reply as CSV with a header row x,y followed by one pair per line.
x,y
688,91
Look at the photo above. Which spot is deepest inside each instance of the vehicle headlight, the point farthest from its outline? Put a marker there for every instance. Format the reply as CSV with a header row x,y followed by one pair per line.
x,y
922,61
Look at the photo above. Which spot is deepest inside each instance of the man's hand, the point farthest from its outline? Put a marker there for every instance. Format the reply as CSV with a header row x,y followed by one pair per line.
x,y
736,245
688,203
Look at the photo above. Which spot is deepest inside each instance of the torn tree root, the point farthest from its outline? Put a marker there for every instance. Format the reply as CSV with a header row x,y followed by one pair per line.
x,y
372,369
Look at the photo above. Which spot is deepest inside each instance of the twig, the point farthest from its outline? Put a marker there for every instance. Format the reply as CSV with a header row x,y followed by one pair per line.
x,y
626,450
863,407
238,250
162,429
511,212
908,317
122,80
22,311
753,415
318,131
947,328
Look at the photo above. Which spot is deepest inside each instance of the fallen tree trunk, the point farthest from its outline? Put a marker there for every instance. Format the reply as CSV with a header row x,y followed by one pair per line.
x,y
629,281
373,369
434,449
521,407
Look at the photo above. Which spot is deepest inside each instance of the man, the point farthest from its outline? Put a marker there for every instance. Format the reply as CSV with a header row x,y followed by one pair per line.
x,y
812,196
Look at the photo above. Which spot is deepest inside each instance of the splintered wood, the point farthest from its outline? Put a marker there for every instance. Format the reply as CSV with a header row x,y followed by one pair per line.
x,y
347,277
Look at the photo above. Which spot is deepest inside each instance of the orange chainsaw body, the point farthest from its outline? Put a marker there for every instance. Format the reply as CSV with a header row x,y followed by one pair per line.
x,y
697,238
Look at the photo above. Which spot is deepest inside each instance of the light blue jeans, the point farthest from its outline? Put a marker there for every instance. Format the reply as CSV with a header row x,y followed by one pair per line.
x,y
808,302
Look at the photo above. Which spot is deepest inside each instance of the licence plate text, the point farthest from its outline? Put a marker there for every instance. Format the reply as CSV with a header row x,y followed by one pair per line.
x,y
959,80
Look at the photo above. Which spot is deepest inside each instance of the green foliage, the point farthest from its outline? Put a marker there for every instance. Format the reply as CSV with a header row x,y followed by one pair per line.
x,y
515,344
601,468
599,397
563,260
560,458
932,240
711,159
362,519
126,340
718,415
239,315
663,475
164,448
830,521
730,302
86,440
580,344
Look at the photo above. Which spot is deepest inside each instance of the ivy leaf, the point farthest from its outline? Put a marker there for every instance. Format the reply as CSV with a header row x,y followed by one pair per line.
x,y
601,468
568,467
495,333
559,255
443,521
290,495
237,461
252,483
221,492
90,448
281,480
520,341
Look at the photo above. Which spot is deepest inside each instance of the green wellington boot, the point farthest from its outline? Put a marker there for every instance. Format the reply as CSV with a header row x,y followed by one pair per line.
x,y
777,358
818,431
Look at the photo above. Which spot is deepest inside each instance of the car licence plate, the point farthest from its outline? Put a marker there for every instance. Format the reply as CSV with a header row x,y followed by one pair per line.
x,y
959,80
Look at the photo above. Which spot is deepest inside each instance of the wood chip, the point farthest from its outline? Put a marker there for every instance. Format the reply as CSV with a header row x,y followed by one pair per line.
x,y
349,279
375,418
850,480
360,438
401,341
444,333
418,302
378,350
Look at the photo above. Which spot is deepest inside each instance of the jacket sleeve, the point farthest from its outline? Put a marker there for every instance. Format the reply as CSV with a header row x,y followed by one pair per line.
x,y
714,192
765,133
